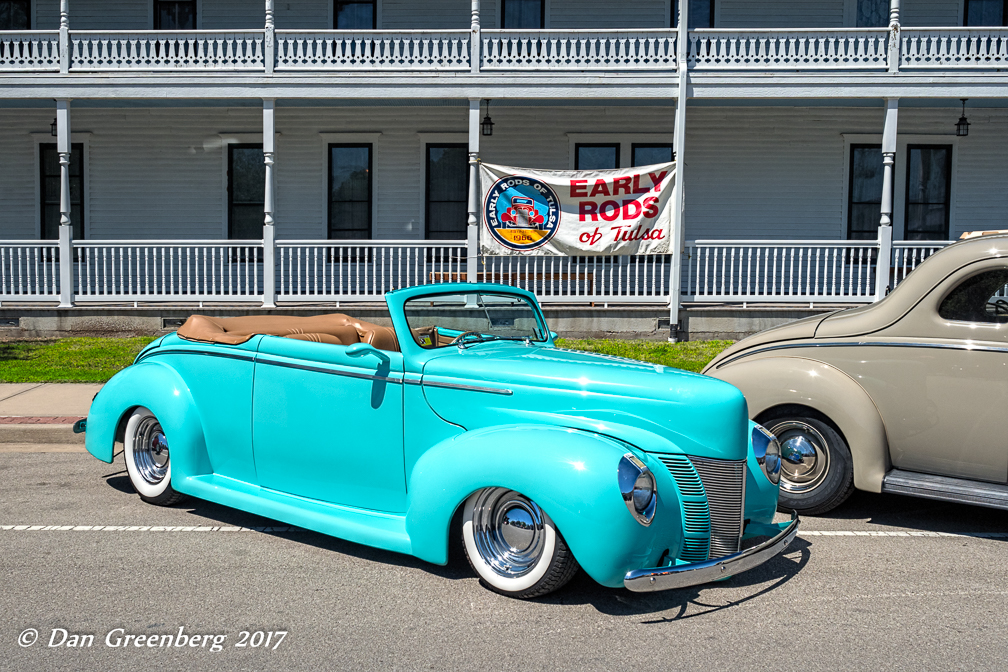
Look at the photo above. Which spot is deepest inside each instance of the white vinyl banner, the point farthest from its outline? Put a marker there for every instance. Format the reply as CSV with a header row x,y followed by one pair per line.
x,y
576,212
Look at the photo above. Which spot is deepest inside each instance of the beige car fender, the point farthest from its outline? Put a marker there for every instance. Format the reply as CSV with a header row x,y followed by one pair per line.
x,y
776,381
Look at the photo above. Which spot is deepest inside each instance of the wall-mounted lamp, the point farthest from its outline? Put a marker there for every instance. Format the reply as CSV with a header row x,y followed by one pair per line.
x,y
962,126
53,128
487,124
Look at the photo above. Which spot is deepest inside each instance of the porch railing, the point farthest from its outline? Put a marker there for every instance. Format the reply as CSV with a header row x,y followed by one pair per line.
x,y
579,50
909,254
157,50
29,271
789,49
953,48
34,50
372,50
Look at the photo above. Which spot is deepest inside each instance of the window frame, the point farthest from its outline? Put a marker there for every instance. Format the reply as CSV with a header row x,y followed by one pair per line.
x,y
965,15
370,187
950,166
648,145
375,13
77,152
850,186
28,14
429,144
577,154
542,16
230,147
155,14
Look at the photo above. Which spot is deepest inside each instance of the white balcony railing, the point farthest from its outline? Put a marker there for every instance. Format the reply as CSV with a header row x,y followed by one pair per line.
x,y
29,271
835,271
372,50
909,254
349,270
169,270
954,48
789,49
34,50
157,50
579,50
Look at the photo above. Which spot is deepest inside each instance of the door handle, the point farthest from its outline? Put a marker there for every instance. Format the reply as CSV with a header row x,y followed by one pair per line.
x,y
362,349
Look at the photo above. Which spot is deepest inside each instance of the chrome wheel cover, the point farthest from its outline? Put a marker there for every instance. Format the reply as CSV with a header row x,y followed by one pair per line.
x,y
150,450
509,531
805,457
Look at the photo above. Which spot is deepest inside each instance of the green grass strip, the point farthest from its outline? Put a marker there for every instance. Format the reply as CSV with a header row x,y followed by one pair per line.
x,y
67,360
691,356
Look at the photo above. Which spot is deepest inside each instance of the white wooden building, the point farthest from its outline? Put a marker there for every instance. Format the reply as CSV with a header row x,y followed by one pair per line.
x,y
324,150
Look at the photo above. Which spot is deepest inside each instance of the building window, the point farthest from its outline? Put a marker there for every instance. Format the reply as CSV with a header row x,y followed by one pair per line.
x,y
246,191
985,13
864,195
447,191
350,192
49,183
596,156
701,14
355,15
872,13
523,14
15,14
174,14
650,154
929,191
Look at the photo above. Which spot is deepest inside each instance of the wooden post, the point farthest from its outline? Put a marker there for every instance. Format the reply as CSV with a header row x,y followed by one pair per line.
x,y
472,230
474,37
64,36
678,234
885,222
894,35
269,39
63,146
269,230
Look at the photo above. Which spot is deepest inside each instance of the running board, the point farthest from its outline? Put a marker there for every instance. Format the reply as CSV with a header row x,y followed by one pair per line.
x,y
947,489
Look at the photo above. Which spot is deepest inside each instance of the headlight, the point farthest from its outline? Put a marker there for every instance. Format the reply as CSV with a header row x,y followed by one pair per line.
x,y
767,451
637,485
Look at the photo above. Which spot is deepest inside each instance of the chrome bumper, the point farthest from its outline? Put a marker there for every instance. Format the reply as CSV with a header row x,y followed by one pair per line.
x,y
681,576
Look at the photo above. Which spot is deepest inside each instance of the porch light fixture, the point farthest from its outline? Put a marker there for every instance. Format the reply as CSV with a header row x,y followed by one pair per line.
x,y
487,124
52,128
962,126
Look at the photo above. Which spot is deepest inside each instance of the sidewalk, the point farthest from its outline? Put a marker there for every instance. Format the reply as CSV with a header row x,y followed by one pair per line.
x,y
39,417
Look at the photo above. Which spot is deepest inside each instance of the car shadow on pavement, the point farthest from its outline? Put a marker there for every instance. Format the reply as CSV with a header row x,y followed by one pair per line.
x,y
915,513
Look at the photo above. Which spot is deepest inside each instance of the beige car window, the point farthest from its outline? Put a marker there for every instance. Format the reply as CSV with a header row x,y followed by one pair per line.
x,y
980,298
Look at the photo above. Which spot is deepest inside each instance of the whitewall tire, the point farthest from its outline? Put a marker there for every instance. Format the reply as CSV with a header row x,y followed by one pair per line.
x,y
148,462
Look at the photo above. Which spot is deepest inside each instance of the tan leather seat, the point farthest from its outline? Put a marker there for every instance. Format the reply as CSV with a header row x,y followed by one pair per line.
x,y
336,329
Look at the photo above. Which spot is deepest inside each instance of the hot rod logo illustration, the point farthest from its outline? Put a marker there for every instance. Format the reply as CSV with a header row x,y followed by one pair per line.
x,y
521,213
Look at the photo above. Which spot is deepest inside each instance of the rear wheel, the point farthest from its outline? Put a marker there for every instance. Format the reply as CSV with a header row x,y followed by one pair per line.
x,y
513,545
148,461
817,472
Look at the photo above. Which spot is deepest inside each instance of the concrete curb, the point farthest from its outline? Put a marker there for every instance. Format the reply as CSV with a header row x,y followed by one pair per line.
x,y
36,434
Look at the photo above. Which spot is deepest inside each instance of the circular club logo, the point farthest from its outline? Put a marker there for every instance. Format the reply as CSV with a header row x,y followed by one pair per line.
x,y
521,213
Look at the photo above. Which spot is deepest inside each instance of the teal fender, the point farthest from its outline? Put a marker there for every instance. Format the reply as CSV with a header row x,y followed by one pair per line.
x,y
760,493
162,390
571,474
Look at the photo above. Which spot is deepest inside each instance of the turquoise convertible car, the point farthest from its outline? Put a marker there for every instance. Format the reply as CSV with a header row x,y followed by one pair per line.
x,y
547,459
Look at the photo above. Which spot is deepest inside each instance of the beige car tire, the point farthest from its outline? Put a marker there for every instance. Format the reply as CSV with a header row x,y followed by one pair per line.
x,y
817,471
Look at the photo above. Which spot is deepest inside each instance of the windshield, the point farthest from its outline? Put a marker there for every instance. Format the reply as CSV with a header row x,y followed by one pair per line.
x,y
454,319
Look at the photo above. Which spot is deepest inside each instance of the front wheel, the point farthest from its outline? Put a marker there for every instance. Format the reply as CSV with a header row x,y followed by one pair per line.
x,y
817,471
147,459
513,545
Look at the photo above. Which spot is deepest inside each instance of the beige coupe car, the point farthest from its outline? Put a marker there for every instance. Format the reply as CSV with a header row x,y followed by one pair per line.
x,y
908,395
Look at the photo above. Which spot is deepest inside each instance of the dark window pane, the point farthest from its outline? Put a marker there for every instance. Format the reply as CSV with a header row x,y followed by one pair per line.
x,y
49,188
447,191
523,14
647,155
978,299
354,15
246,221
864,221
872,13
864,204
928,198
701,14
14,15
246,191
984,13
350,191
596,157
174,14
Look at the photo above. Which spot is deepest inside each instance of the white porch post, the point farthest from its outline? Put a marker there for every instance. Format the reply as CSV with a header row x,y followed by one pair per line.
x,y
269,39
269,230
894,35
474,37
65,228
472,230
64,36
678,234
885,223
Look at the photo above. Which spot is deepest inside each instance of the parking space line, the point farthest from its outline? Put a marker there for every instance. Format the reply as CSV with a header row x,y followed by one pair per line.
x,y
900,533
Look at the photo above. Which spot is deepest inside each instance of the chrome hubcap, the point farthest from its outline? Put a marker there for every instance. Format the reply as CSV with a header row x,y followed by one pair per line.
x,y
804,456
508,530
150,451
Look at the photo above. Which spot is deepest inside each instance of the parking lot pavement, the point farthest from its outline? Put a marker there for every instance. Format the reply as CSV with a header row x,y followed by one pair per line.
x,y
927,592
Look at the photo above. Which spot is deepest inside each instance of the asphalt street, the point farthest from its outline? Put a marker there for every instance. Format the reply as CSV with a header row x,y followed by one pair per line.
x,y
883,583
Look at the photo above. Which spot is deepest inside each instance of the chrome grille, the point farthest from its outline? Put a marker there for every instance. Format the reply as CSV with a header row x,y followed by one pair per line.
x,y
696,517
724,483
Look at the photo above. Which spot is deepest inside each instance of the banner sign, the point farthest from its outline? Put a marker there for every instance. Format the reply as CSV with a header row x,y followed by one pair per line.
x,y
576,212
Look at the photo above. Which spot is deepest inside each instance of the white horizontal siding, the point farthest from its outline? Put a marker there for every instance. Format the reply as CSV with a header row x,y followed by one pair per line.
x,y
233,14
606,14
780,14
408,15
302,15
931,13
18,170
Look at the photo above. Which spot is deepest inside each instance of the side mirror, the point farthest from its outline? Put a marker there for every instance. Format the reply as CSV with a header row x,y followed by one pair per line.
x,y
554,335
362,349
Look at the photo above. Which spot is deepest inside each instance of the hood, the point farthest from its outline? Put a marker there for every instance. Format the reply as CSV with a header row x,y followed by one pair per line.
x,y
792,331
630,400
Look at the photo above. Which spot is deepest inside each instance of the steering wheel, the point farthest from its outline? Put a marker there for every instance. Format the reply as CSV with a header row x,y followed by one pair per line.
x,y
461,337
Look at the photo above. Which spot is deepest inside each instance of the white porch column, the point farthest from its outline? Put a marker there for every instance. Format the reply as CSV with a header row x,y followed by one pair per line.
x,y
269,230
678,234
885,222
472,230
894,35
474,37
65,229
269,39
64,36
